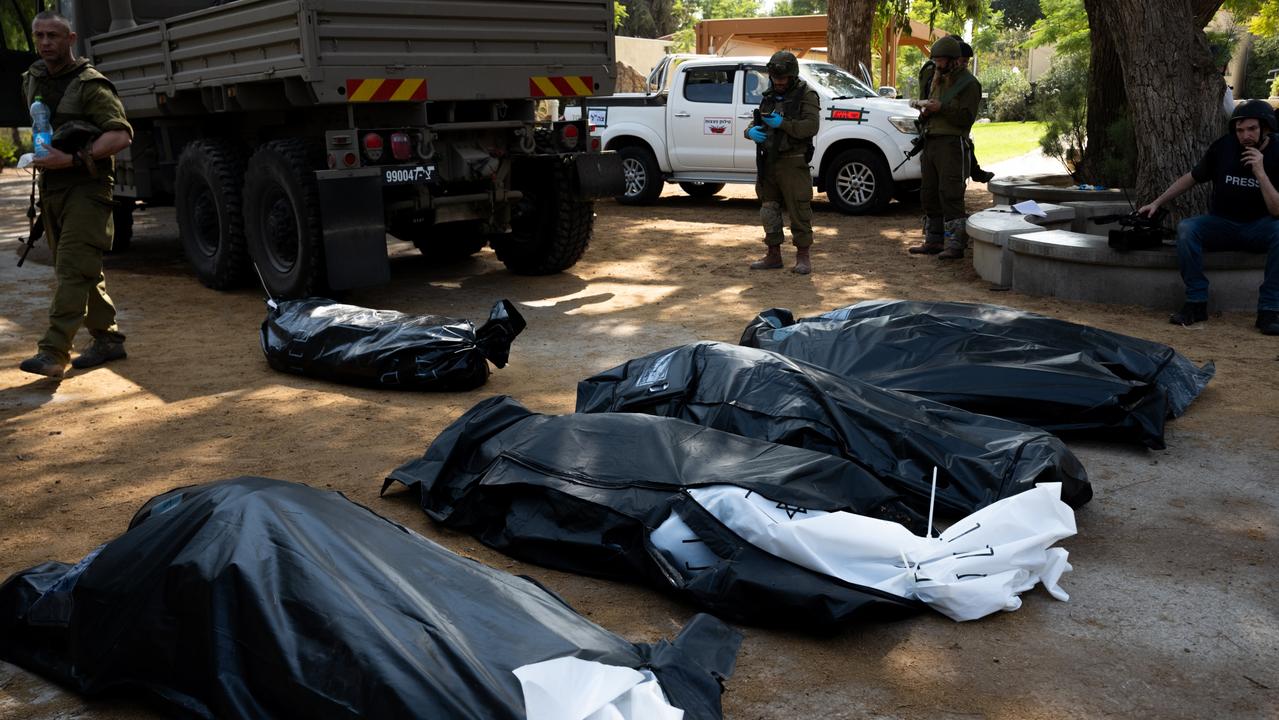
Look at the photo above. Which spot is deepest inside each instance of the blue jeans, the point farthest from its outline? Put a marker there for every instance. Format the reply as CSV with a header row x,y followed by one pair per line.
x,y
1212,233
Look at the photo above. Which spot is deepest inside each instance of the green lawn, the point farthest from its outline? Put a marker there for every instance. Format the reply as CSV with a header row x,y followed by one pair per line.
x,y
1001,141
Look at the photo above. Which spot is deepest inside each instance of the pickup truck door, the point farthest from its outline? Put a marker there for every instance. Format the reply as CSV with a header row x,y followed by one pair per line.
x,y
702,128
754,83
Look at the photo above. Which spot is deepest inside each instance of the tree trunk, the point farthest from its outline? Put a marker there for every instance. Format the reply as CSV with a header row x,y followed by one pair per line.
x,y
1106,155
1174,91
848,33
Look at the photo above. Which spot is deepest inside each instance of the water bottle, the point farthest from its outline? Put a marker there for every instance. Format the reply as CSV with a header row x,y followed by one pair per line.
x,y
41,128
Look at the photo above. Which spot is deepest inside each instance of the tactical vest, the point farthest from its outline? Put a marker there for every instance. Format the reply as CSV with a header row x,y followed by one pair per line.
x,y
71,126
792,104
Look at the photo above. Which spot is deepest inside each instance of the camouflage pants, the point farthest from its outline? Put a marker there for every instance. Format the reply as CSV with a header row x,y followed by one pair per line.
x,y
78,225
945,166
786,183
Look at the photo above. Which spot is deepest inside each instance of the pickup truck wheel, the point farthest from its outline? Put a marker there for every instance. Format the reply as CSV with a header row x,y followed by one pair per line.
x,y
445,243
122,219
858,182
550,228
701,190
208,200
282,218
642,176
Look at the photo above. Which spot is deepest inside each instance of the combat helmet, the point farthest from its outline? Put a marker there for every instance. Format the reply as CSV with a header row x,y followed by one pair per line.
x,y
947,47
783,64
1258,109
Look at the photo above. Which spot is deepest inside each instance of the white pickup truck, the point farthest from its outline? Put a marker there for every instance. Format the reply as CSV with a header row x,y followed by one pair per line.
x,y
691,132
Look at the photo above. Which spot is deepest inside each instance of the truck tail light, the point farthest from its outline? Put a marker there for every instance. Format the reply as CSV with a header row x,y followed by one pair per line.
x,y
569,137
595,144
401,149
373,146
350,159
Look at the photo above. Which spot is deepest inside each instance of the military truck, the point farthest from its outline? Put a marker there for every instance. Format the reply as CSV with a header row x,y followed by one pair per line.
x,y
294,135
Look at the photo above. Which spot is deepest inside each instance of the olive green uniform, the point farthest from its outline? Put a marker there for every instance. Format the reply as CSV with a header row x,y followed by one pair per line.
x,y
945,159
784,180
77,206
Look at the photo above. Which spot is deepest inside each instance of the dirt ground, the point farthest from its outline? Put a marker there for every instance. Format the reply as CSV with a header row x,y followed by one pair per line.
x,y
1172,611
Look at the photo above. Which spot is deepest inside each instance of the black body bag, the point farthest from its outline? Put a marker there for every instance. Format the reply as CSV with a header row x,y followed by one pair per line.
x,y
586,493
897,437
255,598
327,340
1066,378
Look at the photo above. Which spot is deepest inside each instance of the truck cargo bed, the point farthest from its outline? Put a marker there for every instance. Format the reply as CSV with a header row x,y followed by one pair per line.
x,y
320,51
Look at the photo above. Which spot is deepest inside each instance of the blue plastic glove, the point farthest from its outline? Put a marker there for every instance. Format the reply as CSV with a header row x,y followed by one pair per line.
x,y
757,134
773,120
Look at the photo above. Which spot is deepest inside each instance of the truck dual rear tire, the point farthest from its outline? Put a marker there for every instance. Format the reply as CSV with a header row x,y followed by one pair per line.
x,y
208,200
858,182
282,218
550,227
642,176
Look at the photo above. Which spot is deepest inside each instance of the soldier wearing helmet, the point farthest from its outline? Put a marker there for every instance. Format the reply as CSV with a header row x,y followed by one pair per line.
x,y
1243,166
789,113
947,109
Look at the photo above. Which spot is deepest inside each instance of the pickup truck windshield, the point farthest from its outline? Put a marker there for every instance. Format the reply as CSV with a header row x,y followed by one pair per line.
x,y
835,79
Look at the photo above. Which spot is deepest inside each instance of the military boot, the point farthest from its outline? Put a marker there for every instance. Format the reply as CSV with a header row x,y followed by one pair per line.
x,y
803,264
99,352
933,238
956,240
1268,322
1190,313
771,261
42,363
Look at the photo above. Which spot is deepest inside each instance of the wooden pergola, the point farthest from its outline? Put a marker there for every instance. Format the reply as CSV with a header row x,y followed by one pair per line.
x,y
802,33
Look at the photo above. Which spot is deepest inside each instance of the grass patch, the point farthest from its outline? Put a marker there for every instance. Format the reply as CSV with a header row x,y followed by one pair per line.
x,y
1000,141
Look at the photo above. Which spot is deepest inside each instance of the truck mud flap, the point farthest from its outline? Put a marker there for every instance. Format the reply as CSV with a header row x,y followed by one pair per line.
x,y
354,228
599,175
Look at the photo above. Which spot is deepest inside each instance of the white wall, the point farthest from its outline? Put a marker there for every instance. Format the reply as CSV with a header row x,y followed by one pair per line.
x,y
641,53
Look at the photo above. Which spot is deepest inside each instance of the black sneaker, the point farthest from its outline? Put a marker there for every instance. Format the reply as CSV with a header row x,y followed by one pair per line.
x,y
1190,313
43,364
1268,322
99,352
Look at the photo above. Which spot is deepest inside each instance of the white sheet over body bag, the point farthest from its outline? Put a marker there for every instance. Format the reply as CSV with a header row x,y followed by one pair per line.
x,y
976,567
570,688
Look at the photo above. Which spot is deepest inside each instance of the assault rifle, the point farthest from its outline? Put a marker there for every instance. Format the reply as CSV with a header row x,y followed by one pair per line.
x,y
916,147
761,154
30,240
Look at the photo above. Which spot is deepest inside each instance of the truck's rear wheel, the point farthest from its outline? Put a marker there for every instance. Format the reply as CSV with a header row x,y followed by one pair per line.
x,y
282,218
642,176
858,182
446,242
550,228
701,190
209,204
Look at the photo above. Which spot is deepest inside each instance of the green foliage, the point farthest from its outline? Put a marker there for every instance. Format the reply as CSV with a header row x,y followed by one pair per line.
x,y
1264,58
1008,95
1061,102
1221,43
1065,23
1019,13
1262,15
1119,165
8,151
619,14
799,7
687,13
15,23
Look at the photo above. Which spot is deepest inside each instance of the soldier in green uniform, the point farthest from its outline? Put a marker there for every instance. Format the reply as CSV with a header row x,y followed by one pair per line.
x,y
947,113
76,178
789,111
